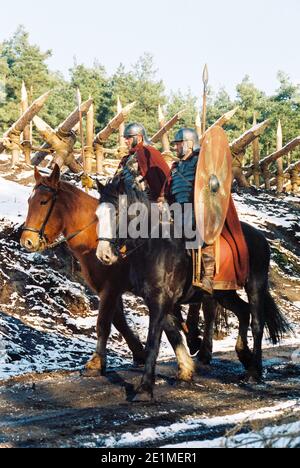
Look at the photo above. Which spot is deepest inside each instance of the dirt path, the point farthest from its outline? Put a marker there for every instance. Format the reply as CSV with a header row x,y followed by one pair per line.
x,y
64,409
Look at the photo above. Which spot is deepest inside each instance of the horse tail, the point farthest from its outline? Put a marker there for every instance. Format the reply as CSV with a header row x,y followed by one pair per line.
x,y
276,323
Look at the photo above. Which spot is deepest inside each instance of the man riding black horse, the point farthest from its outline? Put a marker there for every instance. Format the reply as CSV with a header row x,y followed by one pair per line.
x,y
180,189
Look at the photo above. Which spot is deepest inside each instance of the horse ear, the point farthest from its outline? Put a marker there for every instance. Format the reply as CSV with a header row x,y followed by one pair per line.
x,y
100,186
55,176
37,175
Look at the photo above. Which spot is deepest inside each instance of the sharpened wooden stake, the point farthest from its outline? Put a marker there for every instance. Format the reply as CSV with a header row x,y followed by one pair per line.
x,y
198,126
26,132
89,150
279,162
157,137
113,125
164,139
123,150
205,79
256,157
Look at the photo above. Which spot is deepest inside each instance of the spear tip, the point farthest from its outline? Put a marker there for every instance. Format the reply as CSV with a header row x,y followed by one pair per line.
x,y
205,75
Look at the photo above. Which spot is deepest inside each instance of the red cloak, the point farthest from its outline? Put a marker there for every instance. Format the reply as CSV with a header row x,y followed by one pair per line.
x,y
153,168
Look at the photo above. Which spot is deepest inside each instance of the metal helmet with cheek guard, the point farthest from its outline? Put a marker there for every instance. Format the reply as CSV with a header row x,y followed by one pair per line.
x,y
188,135
134,130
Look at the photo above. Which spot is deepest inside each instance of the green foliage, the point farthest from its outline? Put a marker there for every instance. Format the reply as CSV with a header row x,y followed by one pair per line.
x,y
179,101
22,61
140,85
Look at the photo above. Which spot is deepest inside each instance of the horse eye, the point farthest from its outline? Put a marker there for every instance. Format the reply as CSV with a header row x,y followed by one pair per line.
x,y
44,203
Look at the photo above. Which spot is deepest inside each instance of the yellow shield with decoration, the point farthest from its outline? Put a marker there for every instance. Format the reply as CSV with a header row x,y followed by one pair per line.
x,y
213,184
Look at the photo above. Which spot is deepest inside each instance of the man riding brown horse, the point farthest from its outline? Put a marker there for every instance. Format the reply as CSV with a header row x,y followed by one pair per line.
x,y
144,167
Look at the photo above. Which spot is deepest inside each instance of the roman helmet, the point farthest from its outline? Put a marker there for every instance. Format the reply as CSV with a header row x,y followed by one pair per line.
x,y
135,129
189,136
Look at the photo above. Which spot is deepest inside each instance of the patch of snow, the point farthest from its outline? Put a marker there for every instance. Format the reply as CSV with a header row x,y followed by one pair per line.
x,y
13,201
284,436
191,425
25,175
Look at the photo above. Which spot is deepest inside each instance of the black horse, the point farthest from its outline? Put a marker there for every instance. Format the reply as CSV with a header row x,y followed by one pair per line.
x,y
161,273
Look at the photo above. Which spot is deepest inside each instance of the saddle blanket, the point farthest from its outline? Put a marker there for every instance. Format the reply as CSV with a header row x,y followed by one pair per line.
x,y
226,278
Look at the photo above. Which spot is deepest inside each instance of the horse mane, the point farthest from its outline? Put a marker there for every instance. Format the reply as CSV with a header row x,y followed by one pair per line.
x,y
70,191
116,187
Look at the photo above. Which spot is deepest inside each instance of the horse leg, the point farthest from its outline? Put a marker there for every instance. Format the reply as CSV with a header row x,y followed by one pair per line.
x,y
186,365
210,307
193,337
158,310
231,301
256,300
107,310
133,342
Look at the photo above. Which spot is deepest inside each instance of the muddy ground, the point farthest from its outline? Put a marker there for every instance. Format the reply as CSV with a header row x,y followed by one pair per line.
x,y
47,333
66,410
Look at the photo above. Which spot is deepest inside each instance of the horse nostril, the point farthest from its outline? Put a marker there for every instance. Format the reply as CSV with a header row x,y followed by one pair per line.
x,y
28,244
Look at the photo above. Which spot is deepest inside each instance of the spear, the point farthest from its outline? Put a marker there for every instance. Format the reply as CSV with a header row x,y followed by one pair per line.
x,y
157,137
205,88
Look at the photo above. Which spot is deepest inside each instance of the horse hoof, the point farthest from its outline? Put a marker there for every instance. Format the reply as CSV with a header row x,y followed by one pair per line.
x,y
143,396
253,379
138,363
184,384
185,377
96,366
194,346
204,361
90,373
203,368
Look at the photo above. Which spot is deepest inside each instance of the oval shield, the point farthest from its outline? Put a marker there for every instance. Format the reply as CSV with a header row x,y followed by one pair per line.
x,y
213,184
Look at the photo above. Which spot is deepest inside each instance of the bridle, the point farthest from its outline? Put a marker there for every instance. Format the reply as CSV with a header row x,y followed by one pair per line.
x,y
122,249
44,242
41,231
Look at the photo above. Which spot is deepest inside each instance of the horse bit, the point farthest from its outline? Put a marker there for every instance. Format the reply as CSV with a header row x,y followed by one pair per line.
x,y
41,232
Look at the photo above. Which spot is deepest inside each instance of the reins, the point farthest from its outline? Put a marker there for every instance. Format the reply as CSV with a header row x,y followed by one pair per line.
x,y
41,232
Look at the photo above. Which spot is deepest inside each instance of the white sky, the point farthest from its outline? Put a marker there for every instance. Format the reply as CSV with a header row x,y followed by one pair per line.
x,y
235,38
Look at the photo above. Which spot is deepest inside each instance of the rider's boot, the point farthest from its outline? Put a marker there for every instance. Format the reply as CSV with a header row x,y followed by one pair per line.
x,y
208,269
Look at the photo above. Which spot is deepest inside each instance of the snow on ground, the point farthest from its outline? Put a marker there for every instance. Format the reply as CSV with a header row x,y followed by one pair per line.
x,y
60,336
40,344
188,427
13,201
283,436
262,210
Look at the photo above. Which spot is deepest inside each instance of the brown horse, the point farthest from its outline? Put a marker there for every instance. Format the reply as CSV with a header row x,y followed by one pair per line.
x,y
56,208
